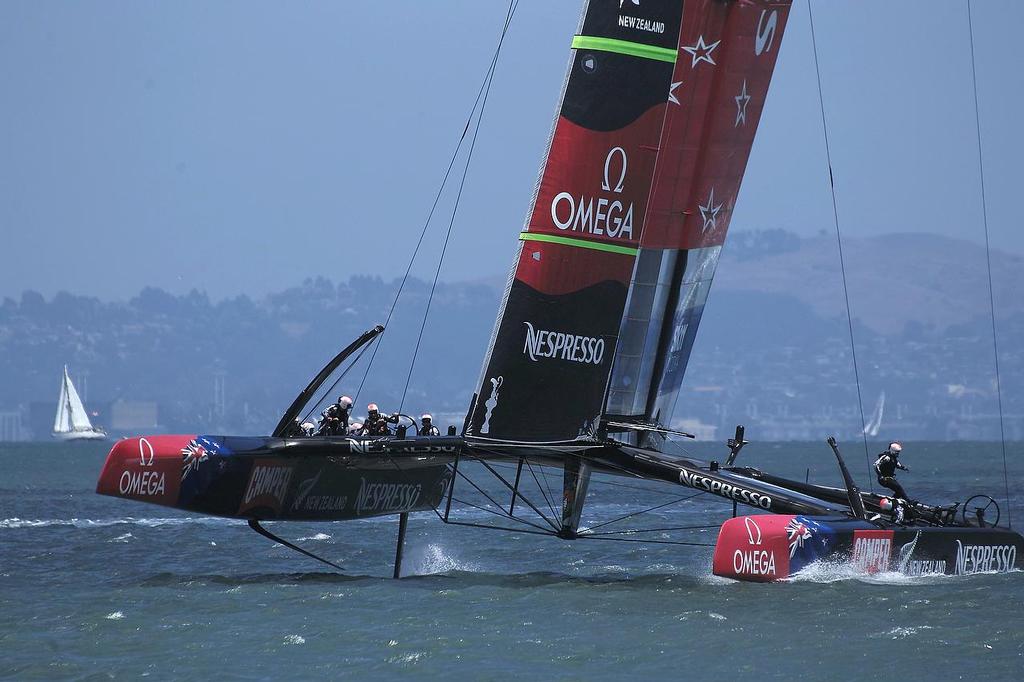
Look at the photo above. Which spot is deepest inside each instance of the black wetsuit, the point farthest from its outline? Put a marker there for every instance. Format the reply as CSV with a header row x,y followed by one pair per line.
x,y
886,466
429,431
379,426
335,422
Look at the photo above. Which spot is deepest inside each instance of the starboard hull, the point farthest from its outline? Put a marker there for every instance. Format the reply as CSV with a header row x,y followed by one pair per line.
x,y
314,479
770,547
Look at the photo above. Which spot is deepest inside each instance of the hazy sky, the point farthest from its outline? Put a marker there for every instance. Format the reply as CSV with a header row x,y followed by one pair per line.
x,y
239,147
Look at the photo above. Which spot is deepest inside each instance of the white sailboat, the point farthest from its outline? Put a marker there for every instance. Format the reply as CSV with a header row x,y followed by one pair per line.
x,y
72,422
875,423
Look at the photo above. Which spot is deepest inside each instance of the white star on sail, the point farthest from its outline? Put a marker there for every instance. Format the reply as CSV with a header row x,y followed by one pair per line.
x,y
672,92
701,52
709,213
742,100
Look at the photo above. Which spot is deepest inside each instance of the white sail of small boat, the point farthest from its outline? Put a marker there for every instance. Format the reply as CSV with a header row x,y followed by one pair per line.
x,y
72,421
875,423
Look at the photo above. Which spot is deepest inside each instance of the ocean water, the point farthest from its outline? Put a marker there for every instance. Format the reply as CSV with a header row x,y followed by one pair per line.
x,y
94,587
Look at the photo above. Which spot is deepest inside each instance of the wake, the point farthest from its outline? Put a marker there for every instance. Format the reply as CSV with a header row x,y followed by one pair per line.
x,y
16,523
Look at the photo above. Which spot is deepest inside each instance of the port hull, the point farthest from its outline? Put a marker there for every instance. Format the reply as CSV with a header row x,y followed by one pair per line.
x,y
278,479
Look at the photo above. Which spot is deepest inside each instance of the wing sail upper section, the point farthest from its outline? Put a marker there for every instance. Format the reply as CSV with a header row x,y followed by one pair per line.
x,y
547,368
727,53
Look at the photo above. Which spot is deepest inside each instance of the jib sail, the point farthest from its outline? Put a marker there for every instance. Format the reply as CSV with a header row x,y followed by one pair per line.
x,y
727,53
548,365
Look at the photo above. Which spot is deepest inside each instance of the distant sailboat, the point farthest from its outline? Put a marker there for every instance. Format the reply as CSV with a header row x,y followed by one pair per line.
x,y
72,422
875,423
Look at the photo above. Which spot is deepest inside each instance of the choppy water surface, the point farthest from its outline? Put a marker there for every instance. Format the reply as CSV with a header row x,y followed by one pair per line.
x,y
98,586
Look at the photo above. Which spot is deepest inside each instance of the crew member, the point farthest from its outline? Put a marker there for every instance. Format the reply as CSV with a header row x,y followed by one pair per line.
x,y
375,423
335,417
294,430
427,427
885,467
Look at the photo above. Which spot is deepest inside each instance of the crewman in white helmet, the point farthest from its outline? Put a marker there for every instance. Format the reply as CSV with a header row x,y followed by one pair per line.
x,y
885,468
335,417
375,423
427,427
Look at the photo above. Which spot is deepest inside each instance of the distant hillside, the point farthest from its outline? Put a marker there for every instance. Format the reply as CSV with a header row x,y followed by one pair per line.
x,y
894,280
773,351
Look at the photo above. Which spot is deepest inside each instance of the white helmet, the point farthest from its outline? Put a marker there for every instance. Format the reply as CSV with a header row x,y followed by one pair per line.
x,y
895,447
426,417
345,402
372,407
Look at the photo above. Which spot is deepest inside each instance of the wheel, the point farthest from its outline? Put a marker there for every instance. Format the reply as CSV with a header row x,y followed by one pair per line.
x,y
978,512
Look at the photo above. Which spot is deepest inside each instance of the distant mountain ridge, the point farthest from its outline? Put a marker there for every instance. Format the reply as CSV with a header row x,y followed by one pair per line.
x,y
894,280
772,352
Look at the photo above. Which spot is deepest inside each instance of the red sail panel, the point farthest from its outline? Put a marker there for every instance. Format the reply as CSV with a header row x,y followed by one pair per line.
x,y
727,53
727,56
547,369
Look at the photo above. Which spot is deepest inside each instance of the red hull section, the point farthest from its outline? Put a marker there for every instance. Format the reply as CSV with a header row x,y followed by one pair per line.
x,y
148,469
753,548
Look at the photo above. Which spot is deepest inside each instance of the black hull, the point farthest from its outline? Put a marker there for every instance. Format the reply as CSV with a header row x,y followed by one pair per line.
x,y
776,546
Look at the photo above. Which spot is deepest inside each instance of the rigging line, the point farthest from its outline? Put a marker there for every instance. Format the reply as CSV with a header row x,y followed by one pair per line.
x,y
547,481
508,485
988,262
541,488
503,514
340,377
433,208
839,241
554,513
644,541
652,530
507,530
499,506
646,511
652,490
458,197
545,489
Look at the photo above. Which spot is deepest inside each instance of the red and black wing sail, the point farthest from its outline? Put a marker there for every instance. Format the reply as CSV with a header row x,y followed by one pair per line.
x,y
727,53
551,354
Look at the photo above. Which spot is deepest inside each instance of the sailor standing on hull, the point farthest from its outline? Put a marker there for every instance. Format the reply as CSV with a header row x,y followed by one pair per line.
x,y
885,467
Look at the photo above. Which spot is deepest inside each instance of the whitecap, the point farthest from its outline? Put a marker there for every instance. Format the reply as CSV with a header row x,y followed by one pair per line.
x,y
102,523
318,536
116,615
294,639
432,559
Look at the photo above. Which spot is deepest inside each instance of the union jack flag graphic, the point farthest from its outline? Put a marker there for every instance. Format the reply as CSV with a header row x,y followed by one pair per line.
x,y
797,532
192,455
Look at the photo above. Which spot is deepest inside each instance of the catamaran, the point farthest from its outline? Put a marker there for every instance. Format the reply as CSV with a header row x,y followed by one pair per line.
x,y
593,336
72,421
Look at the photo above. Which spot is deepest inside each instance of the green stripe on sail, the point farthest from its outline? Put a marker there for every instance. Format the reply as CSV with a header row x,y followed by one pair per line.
x,y
578,243
661,54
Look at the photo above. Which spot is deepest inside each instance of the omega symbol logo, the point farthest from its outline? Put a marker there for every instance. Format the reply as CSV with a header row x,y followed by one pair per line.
x,y
145,453
753,530
607,185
